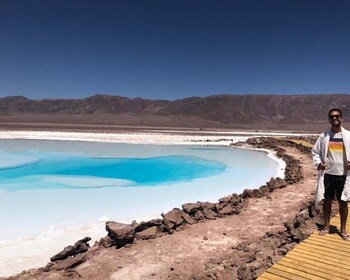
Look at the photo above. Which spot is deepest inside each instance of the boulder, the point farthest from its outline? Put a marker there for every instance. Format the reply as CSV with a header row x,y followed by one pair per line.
x,y
271,184
121,234
191,208
68,263
149,233
225,199
265,189
208,205
280,183
106,242
235,199
228,210
188,219
199,216
144,225
209,214
173,218
247,193
80,246
258,193
244,273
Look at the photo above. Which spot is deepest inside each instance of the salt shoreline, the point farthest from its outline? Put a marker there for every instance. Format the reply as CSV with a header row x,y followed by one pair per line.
x,y
38,258
150,137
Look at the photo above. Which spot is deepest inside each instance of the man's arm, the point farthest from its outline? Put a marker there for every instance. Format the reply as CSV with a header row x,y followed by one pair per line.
x,y
317,156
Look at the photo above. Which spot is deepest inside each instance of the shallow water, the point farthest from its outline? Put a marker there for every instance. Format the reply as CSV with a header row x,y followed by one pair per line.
x,y
57,184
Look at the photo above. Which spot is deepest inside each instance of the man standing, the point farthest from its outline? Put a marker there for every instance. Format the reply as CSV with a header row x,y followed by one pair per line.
x,y
331,155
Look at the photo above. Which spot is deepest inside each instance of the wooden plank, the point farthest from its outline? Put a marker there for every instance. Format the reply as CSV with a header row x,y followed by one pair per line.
x,y
322,259
330,239
343,246
328,247
307,270
286,275
320,270
334,238
296,274
301,142
323,250
270,276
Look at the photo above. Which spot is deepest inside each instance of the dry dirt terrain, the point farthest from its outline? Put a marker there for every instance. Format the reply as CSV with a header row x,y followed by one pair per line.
x,y
205,250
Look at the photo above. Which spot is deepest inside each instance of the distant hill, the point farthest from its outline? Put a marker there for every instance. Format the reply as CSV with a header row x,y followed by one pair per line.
x,y
282,112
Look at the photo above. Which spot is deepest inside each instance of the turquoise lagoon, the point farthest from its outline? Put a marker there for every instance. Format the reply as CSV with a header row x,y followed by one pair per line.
x,y
58,184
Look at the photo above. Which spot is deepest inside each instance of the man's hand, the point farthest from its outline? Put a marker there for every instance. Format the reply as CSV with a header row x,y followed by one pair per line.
x,y
348,165
322,166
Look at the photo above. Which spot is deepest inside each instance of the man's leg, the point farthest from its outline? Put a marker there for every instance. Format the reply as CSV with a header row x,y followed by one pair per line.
x,y
343,211
327,209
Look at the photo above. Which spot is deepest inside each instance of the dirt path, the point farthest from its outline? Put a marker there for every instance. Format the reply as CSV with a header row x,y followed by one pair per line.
x,y
199,249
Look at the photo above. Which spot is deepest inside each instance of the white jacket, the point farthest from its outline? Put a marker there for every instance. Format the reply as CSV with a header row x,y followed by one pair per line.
x,y
319,154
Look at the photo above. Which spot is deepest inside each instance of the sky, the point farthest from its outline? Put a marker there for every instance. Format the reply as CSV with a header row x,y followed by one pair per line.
x,y
172,49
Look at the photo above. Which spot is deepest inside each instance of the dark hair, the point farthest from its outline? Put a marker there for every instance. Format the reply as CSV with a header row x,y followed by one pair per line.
x,y
335,109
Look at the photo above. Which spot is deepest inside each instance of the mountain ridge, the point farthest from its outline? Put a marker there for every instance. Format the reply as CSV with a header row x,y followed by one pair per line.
x,y
225,110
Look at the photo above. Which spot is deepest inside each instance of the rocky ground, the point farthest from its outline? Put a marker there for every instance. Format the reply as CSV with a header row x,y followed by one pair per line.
x,y
236,238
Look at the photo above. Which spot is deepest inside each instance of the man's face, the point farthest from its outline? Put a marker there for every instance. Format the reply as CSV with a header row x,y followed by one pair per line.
x,y
335,118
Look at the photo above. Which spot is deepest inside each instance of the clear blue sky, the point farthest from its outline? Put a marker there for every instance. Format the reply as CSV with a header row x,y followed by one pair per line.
x,y
170,49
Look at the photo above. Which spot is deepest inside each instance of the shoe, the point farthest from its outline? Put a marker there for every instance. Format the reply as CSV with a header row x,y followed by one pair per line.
x,y
345,236
323,231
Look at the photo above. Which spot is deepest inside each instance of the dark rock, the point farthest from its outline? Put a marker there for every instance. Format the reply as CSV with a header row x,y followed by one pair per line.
x,y
188,219
301,229
121,234
219,206
228,210
248,193
209,214
264,189
173,218
244,273
144,225
280,183
225,199
271,184
191,208
208,206
106,242
149,233
241,246
80,246
258,193
68,263
235,199
199,216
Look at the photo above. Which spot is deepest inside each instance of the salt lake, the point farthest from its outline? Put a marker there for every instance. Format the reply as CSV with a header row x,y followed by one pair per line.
x,y
52,186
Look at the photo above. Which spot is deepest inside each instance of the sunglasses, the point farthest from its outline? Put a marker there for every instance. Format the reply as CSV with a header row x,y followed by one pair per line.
x,y
334,116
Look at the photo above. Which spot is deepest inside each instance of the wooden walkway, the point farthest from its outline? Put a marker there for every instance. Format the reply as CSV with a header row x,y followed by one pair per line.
x,y
317,257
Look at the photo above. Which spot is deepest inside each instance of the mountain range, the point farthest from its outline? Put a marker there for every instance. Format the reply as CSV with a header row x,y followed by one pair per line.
x,y
275,112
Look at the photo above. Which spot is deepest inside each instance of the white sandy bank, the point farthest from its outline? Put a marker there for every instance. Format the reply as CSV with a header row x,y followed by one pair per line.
x,y
161,137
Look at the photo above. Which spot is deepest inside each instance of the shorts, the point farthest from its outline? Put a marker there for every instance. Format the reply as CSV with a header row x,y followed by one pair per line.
x,y
333,186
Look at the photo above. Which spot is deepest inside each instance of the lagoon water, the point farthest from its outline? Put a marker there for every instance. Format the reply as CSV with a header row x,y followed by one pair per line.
x,y
49,185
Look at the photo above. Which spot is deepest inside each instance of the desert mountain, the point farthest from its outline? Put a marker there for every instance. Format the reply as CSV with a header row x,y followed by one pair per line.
x,y
217,111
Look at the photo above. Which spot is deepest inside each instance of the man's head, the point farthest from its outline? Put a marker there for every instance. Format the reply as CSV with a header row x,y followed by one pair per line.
x,y
335,117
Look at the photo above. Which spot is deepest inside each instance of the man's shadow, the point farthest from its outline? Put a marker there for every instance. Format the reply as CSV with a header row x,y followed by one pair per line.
x,y
332,229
